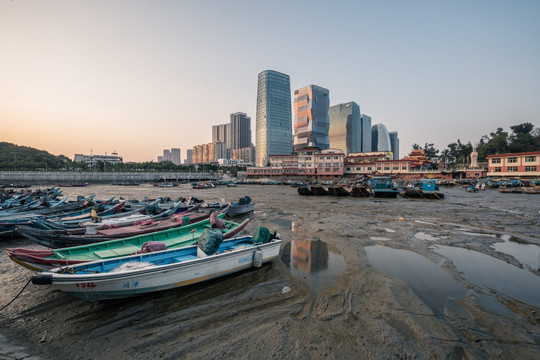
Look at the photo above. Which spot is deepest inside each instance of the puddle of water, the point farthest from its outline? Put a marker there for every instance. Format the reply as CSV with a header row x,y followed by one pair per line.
x,y
465,232
313,262
286,224
423,222
425,278
424,236
488,302
490,273
379,238
527,254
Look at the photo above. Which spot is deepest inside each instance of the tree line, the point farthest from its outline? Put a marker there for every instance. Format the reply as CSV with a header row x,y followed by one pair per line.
x,y
23,158
523,138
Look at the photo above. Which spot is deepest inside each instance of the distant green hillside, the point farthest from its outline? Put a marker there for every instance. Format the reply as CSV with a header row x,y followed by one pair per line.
x,y
24,158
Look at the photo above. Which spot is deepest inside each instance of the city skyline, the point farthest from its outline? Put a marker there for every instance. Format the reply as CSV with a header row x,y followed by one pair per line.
x,y
433,72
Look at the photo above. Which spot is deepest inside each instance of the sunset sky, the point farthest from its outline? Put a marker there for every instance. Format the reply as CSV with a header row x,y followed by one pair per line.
x,y
137,77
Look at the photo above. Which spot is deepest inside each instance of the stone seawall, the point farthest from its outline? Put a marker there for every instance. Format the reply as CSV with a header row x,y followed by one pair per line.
x,y
53,177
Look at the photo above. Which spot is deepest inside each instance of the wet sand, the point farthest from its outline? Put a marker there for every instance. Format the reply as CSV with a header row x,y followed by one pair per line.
x,y
377,279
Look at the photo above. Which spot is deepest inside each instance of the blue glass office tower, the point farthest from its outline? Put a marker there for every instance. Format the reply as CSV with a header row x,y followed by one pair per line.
x,y
394,143
380,140
345,132
366,133
273,128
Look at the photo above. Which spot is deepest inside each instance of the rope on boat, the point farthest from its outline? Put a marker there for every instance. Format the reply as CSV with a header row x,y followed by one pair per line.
x,y
20,292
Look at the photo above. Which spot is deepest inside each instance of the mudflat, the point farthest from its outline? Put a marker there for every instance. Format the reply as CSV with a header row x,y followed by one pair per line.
x,y
356,278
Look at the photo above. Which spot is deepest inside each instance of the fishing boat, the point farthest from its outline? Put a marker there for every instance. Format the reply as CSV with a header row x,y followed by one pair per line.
x,y
96,211
383,187
173,238
82,236
83,184
8,222
156,271
207,185
215,205
472,188
360,190
129,216
243,206
429,189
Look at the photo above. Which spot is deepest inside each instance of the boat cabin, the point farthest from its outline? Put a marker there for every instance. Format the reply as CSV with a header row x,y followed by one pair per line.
x,y
429,185
381,183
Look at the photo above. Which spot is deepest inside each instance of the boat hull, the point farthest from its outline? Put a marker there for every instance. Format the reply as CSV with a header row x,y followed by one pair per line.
x,y
319,190
235,210
338,191
360,191
421,194
385,193
304,190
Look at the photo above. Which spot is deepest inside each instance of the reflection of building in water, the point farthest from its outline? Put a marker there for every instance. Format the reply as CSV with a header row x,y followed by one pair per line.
x,y
310,256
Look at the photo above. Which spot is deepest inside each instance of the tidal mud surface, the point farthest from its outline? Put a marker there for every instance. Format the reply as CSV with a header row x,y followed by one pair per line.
x,y
368,278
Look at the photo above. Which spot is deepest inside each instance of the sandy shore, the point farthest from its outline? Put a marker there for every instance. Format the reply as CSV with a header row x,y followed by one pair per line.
x,y
377,279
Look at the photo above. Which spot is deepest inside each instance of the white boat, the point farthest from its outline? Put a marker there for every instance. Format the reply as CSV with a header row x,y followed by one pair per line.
x,y
236,209
161,270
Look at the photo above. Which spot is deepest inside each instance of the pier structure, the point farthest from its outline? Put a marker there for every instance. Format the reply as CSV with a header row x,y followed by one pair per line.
x,y
54,177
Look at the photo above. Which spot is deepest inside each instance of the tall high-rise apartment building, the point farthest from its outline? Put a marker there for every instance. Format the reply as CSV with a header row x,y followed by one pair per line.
x,y
166,155
220,152
274,123
189,156
222,133
311,121
380,140
394,144
246,154
198,155
240,131
175,156
345,131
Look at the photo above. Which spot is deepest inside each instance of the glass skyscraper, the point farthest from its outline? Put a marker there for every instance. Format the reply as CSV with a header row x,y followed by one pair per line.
x,y
366,133
345,132
273,128
394,144
311,121
380,140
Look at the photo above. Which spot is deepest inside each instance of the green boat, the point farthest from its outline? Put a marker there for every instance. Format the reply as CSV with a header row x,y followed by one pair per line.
x,y
39,260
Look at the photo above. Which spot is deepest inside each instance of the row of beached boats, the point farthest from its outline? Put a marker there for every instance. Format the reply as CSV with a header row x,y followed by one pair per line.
x,y
378,187
113,256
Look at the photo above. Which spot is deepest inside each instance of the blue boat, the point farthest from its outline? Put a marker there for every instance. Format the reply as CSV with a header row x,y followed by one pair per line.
x,y
472,188
382,186
428,189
